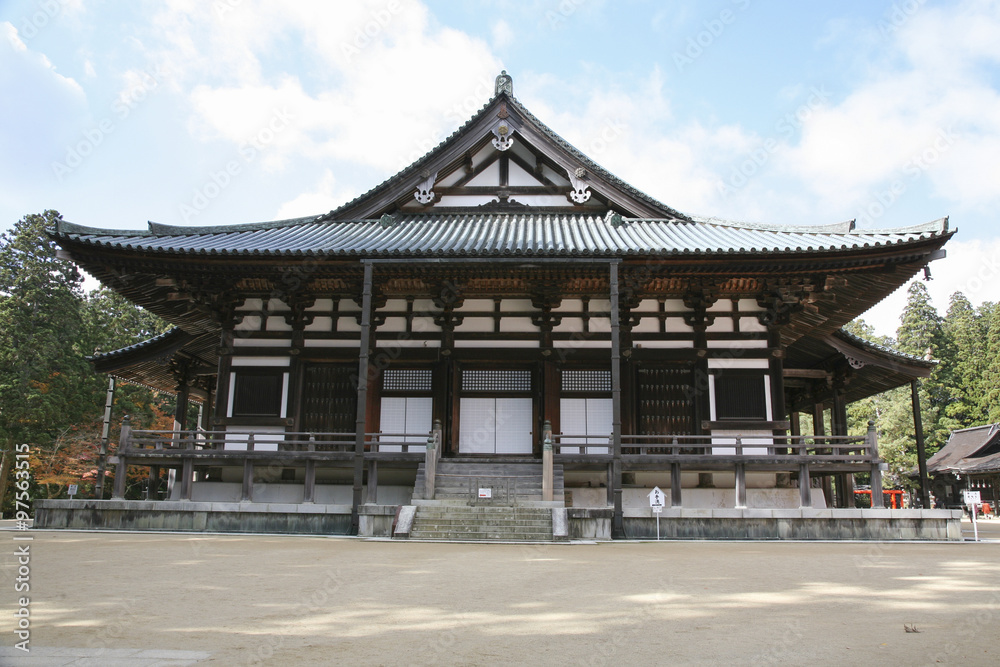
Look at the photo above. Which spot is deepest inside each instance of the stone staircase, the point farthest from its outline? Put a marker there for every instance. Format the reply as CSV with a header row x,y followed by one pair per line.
x,y
515,511
512,481
482,522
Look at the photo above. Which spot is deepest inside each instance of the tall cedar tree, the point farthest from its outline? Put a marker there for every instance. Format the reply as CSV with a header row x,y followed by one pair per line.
x,y
39,324
50,397
966,331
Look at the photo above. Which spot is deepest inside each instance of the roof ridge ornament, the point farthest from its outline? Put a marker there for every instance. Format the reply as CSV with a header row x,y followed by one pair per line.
x,y
504,84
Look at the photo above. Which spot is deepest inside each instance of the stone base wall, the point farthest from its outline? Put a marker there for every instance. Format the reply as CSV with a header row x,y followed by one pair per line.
x,y
777,524
169,515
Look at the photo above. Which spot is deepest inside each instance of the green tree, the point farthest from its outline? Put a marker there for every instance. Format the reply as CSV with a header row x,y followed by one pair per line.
x,y
990,405
966,331
40,324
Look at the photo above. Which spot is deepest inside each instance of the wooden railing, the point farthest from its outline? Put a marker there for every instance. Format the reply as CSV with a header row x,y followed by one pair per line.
x,y
181,449
288,441
803,454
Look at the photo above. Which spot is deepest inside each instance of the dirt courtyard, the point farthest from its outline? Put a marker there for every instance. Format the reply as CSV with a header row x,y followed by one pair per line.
x,y
321,601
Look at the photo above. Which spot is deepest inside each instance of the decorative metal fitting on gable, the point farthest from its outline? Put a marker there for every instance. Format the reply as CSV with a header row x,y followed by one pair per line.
x,y
853,362
581,191
503,136
425,193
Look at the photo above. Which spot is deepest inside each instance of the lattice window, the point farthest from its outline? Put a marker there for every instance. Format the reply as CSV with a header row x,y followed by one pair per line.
x,y
587,380
257,394
496,380
740,396
406,379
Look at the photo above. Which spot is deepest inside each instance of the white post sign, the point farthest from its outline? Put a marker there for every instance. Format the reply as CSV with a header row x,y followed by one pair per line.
x,y
973,499
656,502
73,488
486,492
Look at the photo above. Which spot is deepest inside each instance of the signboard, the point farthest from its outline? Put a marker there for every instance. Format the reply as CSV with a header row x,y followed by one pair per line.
x,y
656,497
73,488
485,493
972,497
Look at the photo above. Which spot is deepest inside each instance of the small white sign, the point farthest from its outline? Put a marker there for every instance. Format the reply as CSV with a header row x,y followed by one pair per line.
x,y
972,497
73,488
656,497
657,509
485,493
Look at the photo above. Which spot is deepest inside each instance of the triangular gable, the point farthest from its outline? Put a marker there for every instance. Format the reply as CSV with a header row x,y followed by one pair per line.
x,y
504,159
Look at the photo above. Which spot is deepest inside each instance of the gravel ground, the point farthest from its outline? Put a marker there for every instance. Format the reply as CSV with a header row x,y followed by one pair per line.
x,y
320,601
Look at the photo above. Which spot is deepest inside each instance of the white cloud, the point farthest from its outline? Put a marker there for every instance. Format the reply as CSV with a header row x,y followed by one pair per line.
x,y
325,197
371,104
890,127
503,34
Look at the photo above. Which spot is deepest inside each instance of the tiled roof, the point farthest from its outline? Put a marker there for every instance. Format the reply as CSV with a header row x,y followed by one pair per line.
x,y
960,452
497,234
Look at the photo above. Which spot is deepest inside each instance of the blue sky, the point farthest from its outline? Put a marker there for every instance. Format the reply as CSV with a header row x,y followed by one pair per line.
x,y
204,112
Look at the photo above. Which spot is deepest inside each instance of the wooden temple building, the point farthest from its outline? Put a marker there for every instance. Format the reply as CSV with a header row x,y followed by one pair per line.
x,y
504,326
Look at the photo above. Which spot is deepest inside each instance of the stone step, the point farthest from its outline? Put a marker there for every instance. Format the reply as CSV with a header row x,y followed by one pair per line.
x,y
481,537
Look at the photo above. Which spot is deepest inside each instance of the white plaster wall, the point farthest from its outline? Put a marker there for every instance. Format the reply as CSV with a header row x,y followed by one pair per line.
x,y
569,306
471,324
677,325
278,323
647,325
518,325
751,324
321,305
249,323
322,323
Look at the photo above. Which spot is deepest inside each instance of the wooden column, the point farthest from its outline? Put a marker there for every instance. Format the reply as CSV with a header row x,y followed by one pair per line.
x,y
153,483
776,370
246,494
362,413
102,457
309,483
187,476
819,430
372,498
741,486
547,468
918,432
676,492
871,441
121,470
617,521
805,488
222,379
838,426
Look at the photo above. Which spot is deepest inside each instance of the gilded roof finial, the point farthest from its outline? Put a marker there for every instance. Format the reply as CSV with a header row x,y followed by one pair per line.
x,y
505,84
